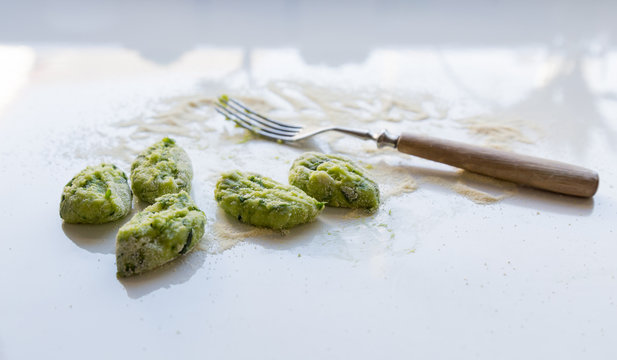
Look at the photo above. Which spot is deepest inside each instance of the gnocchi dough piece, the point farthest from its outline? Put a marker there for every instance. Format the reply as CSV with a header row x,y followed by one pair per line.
x,y
335,180
163,168
96,195
163,231
263,202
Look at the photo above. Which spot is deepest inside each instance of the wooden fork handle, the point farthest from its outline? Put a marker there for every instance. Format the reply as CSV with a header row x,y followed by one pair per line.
x,y
522,169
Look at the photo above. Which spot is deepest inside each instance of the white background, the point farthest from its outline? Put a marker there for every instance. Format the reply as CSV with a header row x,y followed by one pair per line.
x,y
532,276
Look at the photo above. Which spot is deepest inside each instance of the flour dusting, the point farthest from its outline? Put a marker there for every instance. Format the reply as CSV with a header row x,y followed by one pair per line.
x,y
217,145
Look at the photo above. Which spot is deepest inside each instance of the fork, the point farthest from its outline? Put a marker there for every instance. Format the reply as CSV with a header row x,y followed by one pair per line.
x,y
526,170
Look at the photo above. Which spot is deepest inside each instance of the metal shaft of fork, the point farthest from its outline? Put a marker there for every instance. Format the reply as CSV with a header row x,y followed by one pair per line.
x,y
383,139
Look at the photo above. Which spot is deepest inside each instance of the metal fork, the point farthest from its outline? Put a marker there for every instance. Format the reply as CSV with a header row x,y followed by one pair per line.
x,y
248,119
540,173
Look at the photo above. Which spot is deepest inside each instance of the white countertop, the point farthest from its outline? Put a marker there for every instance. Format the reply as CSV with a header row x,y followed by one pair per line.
x,y
450,266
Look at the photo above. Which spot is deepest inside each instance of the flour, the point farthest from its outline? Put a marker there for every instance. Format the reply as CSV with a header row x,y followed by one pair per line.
x,y
393,180
500,133
475,195
216,145
480,189
225,236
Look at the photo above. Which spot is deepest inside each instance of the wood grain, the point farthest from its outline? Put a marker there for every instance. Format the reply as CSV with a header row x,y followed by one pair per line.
x,y
527,170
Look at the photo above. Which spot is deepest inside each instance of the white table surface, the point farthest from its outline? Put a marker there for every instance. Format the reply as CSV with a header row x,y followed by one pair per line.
x,y
433,274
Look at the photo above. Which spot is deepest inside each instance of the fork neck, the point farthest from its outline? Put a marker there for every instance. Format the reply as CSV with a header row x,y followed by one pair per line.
x,y
383,138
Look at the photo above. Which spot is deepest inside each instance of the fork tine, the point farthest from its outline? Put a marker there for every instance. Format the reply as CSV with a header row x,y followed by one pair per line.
x,y
229,111
247,125
260,123
275,123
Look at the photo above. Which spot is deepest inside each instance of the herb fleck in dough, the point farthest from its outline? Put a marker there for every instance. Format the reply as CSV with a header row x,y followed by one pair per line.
x,y
261,201
96,195
163,231
163,168
335,180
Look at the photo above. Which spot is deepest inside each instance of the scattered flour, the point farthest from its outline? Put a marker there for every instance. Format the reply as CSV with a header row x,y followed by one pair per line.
x,y
194,123
480,189
393,180
501,133
226,236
